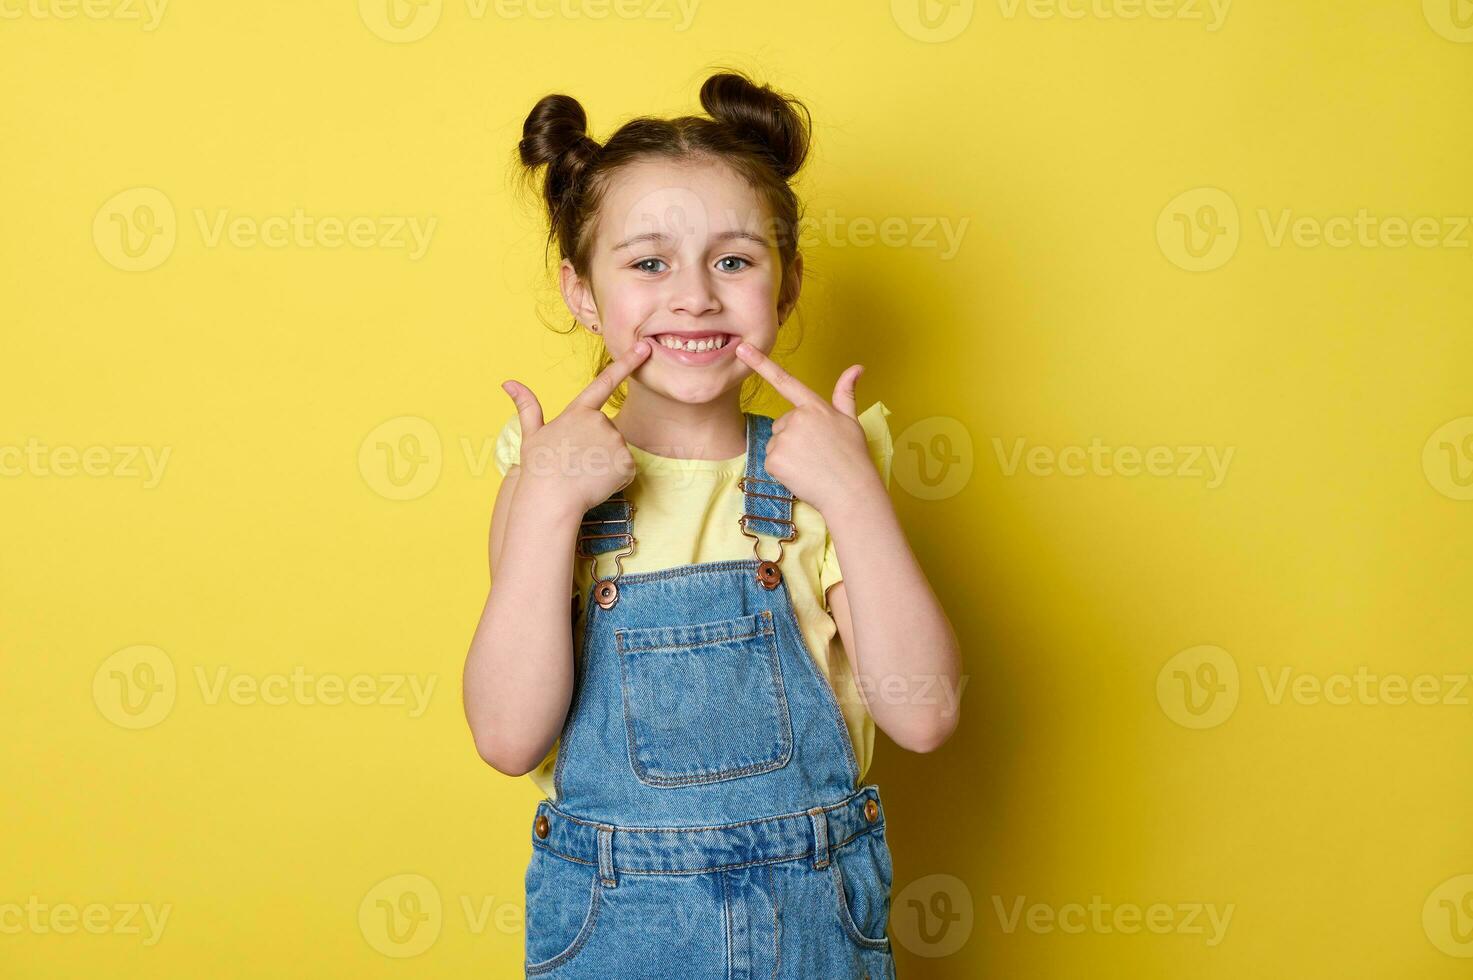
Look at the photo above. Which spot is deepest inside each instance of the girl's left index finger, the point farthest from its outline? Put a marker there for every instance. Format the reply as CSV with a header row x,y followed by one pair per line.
x,y
788,386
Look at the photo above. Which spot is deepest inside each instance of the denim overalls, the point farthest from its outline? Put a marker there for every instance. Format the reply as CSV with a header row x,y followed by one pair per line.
x,y
709,821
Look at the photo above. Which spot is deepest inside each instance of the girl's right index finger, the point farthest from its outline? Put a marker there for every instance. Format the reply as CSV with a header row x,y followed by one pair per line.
x,y
601,387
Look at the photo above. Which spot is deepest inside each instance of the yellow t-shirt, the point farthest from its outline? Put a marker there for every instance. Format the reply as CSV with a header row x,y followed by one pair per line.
x,y
687,512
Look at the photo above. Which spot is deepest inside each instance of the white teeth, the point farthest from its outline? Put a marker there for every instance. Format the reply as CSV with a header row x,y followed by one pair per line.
x,y
693,346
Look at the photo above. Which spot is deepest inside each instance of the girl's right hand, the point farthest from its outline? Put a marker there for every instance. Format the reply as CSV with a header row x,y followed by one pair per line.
x,y
578,459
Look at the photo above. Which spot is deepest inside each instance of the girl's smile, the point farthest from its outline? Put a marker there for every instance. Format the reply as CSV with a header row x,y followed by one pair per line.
x,y
694,349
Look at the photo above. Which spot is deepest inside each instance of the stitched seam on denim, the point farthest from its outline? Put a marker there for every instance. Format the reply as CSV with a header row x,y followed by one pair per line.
x,y
726,914
707,568
712,868
858,834
629,739
711,776
830,697
612,880
846,919
703,869
777,943
854,801
565,856
622,643
805,854
624,646
584,931
819,827
782,693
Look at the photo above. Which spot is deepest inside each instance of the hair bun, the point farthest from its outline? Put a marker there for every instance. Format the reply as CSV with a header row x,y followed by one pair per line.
x,y
555,134
760,115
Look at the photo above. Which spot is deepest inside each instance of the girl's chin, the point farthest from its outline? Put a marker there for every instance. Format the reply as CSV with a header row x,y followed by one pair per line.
x,y
687,390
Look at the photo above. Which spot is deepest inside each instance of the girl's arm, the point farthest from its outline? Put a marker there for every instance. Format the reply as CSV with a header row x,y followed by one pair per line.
x,y
518,678
902,648
900,644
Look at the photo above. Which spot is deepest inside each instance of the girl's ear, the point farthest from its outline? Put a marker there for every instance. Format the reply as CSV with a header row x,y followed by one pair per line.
x,y
577,294
792,286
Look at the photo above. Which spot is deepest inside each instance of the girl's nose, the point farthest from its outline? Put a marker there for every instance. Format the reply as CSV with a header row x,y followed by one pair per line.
x,y
693,291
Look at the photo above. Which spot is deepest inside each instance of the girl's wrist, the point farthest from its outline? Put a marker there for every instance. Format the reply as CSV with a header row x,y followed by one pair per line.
x,y
859,503
548,500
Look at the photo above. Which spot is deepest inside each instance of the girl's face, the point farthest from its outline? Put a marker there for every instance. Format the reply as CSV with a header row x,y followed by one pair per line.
x,y
682,252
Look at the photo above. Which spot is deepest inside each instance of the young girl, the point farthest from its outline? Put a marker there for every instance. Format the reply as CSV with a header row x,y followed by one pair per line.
x,y
700,731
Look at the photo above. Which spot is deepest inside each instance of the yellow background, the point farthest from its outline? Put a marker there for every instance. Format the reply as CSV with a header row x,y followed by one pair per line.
x,y
272,541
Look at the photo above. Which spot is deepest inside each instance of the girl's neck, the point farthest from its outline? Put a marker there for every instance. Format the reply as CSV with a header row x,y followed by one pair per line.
x,y
666,427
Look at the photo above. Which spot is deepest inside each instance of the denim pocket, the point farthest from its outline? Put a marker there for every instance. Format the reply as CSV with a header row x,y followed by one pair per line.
x,y
562,909
704,702
862,875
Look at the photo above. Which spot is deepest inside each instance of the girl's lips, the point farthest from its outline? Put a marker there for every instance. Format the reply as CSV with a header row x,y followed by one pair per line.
x,y
694,358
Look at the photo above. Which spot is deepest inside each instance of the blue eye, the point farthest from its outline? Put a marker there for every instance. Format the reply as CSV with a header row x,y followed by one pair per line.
x,y
734,258
640,265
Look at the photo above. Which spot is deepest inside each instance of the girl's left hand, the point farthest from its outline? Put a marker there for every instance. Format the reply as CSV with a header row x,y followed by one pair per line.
x,y
818,450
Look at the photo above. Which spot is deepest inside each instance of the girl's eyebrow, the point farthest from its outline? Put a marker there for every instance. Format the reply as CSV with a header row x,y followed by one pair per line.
x,y
723,236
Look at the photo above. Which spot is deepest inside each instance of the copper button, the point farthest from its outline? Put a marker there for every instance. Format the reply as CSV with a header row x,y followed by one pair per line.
x,y
871,810
769,575
541,825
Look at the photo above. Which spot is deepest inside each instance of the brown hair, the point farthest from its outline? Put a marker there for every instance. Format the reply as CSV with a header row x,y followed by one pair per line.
x,y
761,134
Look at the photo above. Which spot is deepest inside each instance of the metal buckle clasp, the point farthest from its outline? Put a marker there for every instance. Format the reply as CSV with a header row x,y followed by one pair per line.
x,y
605,592
769,575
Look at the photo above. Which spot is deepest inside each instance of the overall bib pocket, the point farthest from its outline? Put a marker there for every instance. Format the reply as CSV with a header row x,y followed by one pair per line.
x,y
704,702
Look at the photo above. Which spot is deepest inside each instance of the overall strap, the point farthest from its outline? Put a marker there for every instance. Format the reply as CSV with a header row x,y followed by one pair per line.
x,y
767,505
608,526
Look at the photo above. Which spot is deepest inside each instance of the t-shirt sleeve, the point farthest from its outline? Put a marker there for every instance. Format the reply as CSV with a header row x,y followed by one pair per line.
x,y
882,452
509,445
